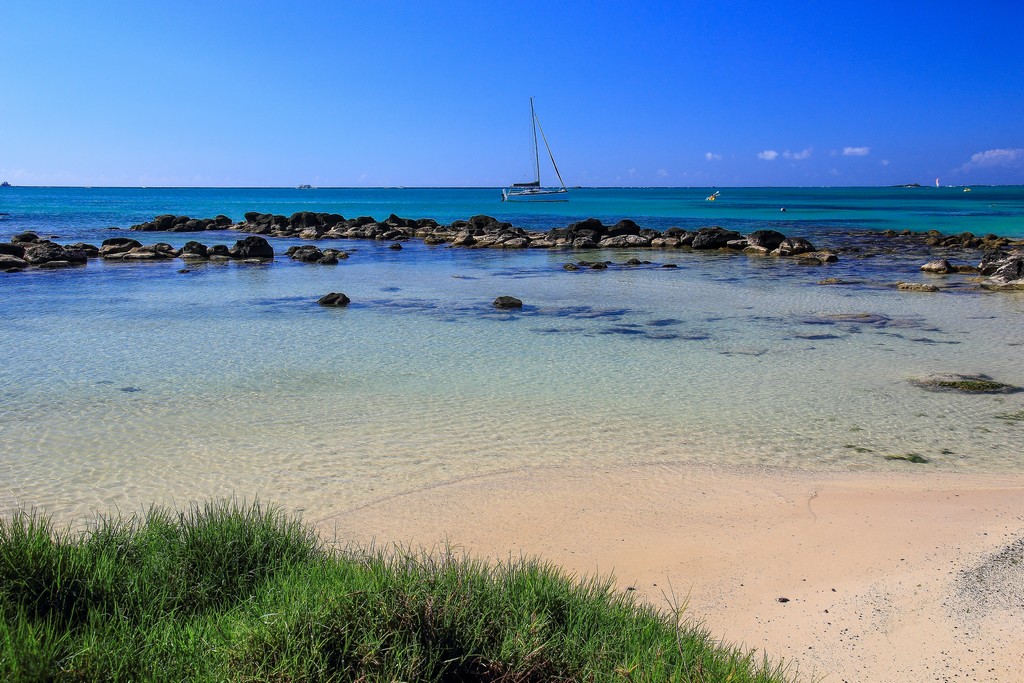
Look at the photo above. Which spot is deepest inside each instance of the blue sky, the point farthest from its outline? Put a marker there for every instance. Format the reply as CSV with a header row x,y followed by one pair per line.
x,y
437,94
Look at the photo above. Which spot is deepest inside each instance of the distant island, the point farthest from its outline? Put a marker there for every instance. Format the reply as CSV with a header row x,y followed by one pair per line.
x,y
5,184
907,185
305,187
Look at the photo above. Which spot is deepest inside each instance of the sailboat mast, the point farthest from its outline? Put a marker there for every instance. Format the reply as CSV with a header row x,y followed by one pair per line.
x,y
536,154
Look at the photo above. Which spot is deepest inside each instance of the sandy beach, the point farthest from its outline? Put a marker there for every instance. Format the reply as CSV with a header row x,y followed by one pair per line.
x,y
902,576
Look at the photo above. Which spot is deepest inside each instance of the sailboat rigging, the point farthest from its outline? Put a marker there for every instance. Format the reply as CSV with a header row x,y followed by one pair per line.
x,y
532,190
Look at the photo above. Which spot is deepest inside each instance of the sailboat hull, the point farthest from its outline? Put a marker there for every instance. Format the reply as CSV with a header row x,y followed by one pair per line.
x,y
534,194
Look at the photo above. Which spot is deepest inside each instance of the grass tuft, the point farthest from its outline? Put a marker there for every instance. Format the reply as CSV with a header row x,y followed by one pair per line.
x,y
227,591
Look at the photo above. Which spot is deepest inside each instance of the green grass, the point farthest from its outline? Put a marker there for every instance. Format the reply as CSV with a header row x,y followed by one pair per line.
x,y
227,592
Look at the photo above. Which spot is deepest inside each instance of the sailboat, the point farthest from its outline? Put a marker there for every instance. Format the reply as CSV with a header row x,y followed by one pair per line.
x,y
532,190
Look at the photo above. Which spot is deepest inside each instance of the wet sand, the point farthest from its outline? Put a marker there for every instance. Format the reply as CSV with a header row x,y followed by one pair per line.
x,y
896,576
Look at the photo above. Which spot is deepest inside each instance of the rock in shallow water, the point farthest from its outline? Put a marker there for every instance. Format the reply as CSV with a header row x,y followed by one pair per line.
x,y
507,302
335,299
968,384
916,287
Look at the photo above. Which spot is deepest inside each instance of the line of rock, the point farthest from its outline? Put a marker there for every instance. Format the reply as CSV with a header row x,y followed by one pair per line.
x,y
28,249
1005,269
488,232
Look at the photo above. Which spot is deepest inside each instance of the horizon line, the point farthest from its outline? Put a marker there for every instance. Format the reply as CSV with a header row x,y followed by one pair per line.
x,y
495,187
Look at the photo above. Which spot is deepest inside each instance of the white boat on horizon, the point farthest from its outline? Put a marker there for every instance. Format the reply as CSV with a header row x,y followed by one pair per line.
x,y
532,190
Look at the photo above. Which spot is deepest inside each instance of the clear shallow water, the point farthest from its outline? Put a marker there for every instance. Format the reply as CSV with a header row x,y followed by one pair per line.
x,y
126,384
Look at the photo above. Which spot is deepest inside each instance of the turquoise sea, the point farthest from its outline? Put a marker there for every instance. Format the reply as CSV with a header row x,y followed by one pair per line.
x,y
125,384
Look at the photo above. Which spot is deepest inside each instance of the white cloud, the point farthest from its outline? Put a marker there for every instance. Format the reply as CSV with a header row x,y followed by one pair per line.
x,y
662,173
798,156
995,157
885,162
856,151
768,155
631,172
834,172
711,156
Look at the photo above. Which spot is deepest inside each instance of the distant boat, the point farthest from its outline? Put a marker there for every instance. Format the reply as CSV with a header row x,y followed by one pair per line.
x,y
967,189
532,191
936,182
713,196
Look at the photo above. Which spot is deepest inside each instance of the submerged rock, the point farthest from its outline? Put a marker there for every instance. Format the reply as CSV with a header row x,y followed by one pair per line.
x,y
916,287
915,458
968,384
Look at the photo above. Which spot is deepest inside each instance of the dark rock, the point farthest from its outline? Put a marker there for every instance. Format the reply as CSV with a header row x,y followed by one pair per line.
x,y
396,246
304,219
686,238
464,239
10,263
220,250
25,238
252,246
91,250
590,229
769,239
507,302
193,249
792,246
336,299
570,266
12,249
148,253
118,245
623,227
307,253
38,253
713,238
